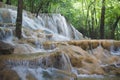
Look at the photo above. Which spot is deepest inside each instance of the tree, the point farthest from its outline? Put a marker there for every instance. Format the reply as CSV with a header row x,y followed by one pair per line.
x,y
8,2
44,6
19,19
114,26
102,20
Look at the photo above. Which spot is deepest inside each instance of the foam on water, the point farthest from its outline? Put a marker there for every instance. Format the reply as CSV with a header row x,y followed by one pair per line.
x,y
43,69
90,76
40,73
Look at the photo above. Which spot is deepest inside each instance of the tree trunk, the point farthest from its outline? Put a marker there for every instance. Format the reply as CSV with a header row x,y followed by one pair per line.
x,y
19,19
37,13
92,24
43,6
88,20
113,27
8,2
32,6
102,20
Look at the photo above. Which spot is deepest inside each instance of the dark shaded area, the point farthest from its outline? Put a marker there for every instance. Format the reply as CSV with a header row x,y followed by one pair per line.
x,y
6,48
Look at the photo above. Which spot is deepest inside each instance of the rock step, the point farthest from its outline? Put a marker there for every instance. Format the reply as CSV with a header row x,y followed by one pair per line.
x,y
86,44
6,48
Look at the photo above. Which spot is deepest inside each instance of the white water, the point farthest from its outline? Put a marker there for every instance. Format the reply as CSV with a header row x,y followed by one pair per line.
x,y
54,24
42,69
6,35
115,51
40,73
46,27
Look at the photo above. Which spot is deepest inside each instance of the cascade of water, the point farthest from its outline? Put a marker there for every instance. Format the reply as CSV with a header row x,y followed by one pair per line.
x,y
53,23
115,50
46,27
43,68
67,64
6,34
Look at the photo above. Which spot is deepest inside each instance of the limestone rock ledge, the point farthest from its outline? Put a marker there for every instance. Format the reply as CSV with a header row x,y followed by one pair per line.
x,y
6,48
66,57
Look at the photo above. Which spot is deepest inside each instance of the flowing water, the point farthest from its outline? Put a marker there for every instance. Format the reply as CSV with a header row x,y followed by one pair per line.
x,y
47,52
46,27
104,78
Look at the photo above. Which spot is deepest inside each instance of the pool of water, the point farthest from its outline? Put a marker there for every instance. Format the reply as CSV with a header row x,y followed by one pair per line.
x,y
88,77
102,78
83,77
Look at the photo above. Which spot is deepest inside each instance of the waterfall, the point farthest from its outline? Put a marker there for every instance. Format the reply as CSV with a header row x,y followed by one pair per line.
x,y
6,34
54,24
51,49
43,68
115,50
36,31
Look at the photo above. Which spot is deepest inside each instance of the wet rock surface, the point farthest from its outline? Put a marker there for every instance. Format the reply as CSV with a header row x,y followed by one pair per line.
x,y
65,58
8,74
6,48
112,69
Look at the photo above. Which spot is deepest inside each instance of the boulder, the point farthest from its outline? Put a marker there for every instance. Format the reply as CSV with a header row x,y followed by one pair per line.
x,y
8,74
112,69
23,48
6,48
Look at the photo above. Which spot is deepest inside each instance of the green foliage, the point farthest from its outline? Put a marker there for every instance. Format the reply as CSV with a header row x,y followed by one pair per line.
x,y
85,16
